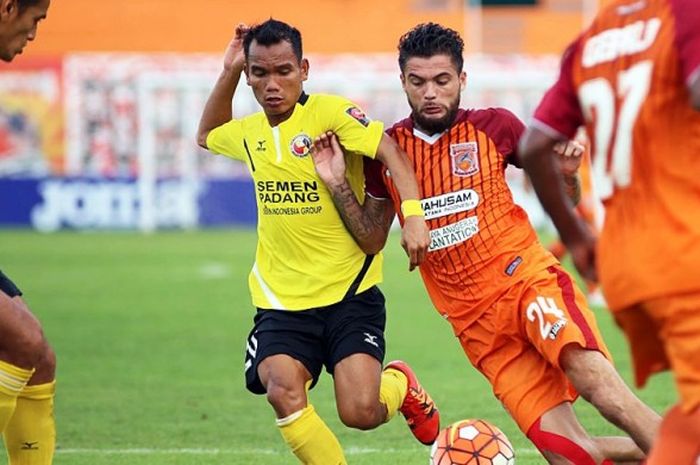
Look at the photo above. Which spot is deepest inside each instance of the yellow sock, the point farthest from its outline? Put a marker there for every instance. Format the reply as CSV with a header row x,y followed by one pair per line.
x,y
310,439
12,381
30,436
392,391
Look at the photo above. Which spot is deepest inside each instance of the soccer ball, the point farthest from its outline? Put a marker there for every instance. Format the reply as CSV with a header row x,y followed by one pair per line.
x,y
472,442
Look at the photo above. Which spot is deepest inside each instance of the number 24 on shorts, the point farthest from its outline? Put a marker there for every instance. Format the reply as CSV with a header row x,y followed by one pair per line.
x,y
539,310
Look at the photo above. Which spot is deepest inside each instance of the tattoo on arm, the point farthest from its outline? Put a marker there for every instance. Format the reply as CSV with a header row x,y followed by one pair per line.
x,y
572,186
369,223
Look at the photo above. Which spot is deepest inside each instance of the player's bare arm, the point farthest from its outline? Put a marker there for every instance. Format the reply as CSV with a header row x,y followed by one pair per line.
x,y
549,186
569,154
368,223
219,107
415,236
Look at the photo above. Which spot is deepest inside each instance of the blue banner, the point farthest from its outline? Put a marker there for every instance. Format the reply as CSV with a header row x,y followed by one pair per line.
x,y
50,204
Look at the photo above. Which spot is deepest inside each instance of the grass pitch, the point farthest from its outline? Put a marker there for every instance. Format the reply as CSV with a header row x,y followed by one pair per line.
x,y
150,332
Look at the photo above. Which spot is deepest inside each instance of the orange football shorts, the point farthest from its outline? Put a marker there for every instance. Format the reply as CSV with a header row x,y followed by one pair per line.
x,y
517,342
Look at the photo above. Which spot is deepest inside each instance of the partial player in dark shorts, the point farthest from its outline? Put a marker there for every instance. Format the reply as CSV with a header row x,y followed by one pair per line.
x,y
318,336
8,287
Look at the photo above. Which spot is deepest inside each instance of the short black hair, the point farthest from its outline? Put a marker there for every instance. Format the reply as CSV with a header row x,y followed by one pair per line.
x,y
27,3
428,39
273,32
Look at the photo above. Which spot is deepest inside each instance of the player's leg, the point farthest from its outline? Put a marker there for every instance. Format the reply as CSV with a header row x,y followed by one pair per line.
x,y
533,391
558,324
563,329
678,321
283,360
562,440
30,435
21,340
357,380
366,395
596,380
621,449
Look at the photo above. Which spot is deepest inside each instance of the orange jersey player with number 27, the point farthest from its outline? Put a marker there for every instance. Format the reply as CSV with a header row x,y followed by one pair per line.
x,y
633,80
520,318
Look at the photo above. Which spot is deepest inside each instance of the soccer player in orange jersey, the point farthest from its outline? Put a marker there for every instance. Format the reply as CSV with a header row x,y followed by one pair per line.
x,y
27,363
633,80
519,316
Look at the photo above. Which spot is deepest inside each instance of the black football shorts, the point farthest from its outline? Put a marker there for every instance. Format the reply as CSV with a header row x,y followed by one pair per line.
x,y
317,337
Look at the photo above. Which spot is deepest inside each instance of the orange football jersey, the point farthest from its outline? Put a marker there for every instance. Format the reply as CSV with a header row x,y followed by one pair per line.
x,y
625,78
481,241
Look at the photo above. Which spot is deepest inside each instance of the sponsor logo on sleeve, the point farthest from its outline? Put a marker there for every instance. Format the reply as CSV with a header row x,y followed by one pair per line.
x,y
300,146
358,115
512,266
465,159
454,233
452,202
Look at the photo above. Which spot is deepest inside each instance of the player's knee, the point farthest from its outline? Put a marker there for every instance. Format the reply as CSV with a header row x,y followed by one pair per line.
x,y
46,363
285,398
361,414
29,347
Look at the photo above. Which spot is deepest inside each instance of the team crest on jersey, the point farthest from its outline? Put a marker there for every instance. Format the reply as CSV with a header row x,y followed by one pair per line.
x,y
358,115
300,145
465,159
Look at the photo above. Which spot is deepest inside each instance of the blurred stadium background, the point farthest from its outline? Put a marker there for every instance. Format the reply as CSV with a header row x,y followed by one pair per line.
x,y
97,124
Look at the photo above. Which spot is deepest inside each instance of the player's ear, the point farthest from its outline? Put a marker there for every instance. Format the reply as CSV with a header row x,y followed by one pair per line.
x,y
247,74
304,69
462,81
403,81
8,8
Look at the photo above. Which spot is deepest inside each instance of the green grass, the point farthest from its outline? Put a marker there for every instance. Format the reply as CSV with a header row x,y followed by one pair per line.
x,y
150,331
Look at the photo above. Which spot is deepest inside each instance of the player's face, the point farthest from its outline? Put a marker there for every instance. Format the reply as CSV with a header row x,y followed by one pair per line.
x,y
276,76
18,26
433,86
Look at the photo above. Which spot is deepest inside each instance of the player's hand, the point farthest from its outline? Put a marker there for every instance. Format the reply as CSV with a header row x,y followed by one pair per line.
x,y
234,58
570,154
329,159
582,248
415,240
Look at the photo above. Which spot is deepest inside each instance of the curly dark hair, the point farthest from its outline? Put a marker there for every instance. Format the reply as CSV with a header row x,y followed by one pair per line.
x,y
428,39
273,32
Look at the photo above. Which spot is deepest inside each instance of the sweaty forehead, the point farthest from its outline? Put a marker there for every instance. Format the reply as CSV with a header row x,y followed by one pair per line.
x,y
271,55
427,67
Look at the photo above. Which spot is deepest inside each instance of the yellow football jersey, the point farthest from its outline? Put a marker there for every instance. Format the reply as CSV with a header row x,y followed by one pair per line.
x,y
305,256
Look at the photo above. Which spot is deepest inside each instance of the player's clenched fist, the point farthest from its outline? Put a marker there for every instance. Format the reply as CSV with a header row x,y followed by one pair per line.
x,y
415,239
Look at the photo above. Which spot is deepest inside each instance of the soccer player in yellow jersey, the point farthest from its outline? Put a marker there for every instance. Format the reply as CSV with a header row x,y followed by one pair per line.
x,y
314,288
27,363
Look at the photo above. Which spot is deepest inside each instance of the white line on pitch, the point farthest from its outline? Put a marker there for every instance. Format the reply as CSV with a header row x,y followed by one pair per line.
x,y
245,451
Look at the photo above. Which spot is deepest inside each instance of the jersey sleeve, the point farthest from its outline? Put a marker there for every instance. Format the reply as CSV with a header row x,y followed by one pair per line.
x,y
227,140
374,181
503,128
687,19
559,113
357,133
